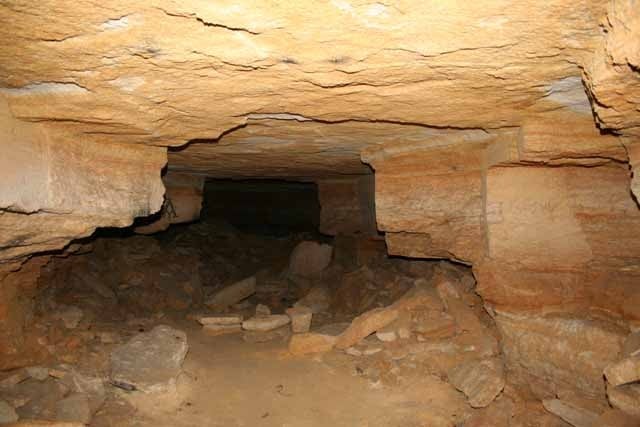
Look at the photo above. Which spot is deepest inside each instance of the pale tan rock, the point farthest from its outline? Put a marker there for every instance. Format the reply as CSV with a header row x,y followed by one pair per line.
x,y
233,293
311,342
366,324
559,350
625,371
300,318
182,202
480,380
386,335
223,319
266,323
262,310
576,416
625,398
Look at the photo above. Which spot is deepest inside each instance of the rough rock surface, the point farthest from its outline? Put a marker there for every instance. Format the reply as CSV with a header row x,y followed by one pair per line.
x,y
266,323
480,380
559,351
151,361
7,413
366,324
309,258
626,398
233,293
481,135
625,371
311,342
575,416
74,407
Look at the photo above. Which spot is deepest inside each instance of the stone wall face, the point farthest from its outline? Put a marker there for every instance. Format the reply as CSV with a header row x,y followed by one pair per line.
x,y
54,191
546,218
347,205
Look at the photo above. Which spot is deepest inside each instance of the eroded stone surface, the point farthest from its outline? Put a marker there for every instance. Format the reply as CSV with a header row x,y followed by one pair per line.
x,y
366,324
481,381
233,293
150,361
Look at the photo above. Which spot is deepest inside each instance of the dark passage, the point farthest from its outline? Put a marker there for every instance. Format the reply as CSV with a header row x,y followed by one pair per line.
x,y
268,207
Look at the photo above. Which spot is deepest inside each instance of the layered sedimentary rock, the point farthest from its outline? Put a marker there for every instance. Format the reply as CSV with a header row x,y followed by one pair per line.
x,y
56,190
474,116
545,216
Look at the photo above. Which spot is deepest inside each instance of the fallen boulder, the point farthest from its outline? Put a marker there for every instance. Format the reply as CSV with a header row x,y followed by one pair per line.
x,y
309,258
150,361
232,294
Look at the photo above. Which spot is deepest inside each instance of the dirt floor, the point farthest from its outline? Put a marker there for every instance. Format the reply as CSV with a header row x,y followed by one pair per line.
x,y
392,342
228,382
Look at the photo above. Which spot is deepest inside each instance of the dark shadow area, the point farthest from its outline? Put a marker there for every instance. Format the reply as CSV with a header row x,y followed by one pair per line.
x,y
267,207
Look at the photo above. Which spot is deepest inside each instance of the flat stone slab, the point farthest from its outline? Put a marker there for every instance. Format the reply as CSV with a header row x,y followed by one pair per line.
x,y
266,323
150,361
366,324
223,319
233,294
213,329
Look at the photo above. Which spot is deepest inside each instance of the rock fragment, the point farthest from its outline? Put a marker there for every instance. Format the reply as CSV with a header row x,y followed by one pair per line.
x,y
150,360
228,319
366,324
625,371
625,398
266,323
480,380
233,294
300,318
309,258
262,310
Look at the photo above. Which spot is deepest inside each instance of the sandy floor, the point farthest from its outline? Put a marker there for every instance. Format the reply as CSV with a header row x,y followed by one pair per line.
x,y
231,383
